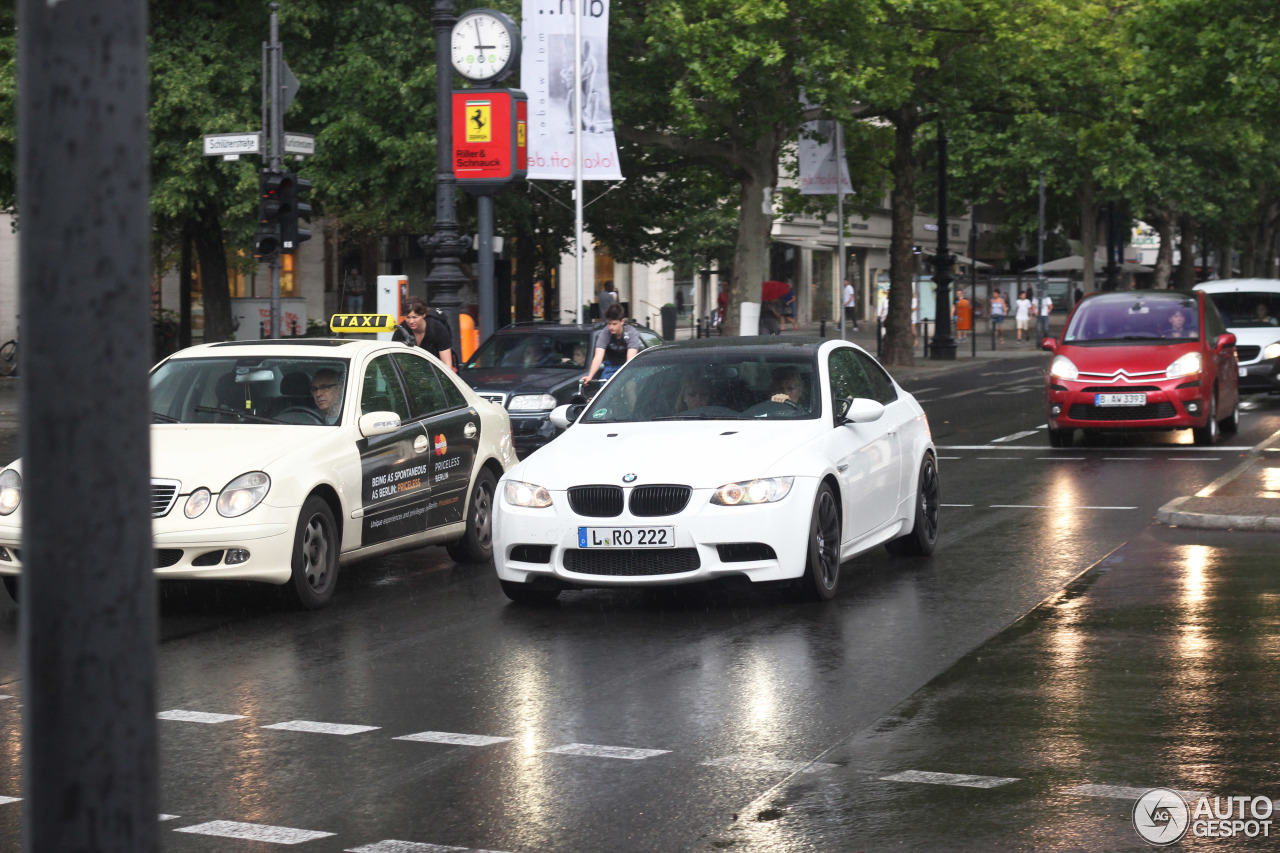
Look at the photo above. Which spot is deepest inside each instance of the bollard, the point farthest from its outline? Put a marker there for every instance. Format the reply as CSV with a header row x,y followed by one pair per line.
x,y
698,329
822,328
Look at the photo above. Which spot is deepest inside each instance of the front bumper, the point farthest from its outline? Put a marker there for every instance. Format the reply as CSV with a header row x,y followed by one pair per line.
x,y
199,549
1170,404
766,542
1260,377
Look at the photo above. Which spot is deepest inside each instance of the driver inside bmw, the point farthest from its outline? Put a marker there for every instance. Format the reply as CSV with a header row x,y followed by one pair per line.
x,y
326,392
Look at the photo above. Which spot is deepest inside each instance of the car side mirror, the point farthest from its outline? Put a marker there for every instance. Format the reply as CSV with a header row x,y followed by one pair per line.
x,y
563,416
378,423
858,410
1050,344
1227,340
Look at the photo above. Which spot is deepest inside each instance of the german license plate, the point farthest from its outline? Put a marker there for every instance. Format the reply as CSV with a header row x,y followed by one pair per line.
x,y
626,537
1119,399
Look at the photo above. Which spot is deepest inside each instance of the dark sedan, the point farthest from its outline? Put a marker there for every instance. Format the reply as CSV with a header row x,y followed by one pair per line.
x,y
529,369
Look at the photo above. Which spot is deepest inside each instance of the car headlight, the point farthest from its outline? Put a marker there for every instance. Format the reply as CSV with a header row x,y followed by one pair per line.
x,y
1271,351
10,491
197,503
526,494
532,403
243,494
762,491
1186,365
1063,368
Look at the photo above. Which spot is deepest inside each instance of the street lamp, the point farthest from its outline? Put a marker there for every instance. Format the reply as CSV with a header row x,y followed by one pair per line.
x,y
444,246
942,347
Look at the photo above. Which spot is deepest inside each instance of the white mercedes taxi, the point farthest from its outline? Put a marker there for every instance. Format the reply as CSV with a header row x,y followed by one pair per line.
x,y
281,460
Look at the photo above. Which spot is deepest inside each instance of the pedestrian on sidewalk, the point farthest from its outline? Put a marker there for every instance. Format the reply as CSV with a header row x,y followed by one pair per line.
x,y
1044,307
998,309
850,307
353,287
962,313
1022,314
789,310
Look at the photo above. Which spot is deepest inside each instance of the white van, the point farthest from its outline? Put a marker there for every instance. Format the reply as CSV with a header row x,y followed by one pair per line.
x,y
1251,309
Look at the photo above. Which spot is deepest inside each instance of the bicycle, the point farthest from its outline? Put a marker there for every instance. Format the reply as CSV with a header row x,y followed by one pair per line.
x,y
9,358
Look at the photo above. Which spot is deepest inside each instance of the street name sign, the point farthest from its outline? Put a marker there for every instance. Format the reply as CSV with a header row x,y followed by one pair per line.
x,y
232,145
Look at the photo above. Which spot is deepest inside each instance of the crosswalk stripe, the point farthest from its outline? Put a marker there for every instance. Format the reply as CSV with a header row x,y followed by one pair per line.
x,y
963,780
321,728
254,832
596,751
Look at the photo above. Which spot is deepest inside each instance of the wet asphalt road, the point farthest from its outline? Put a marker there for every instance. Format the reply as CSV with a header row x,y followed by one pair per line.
x,y
1058,638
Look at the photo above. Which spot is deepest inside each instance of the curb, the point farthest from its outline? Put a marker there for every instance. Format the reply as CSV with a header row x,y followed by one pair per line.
x,y
1206,512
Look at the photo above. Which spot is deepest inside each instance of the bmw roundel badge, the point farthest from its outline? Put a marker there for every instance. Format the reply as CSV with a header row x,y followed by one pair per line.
x,y
628,478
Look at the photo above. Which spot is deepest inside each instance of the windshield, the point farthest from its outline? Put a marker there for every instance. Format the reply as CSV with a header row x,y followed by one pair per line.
x,y
1142,317
306,391
532,349
1244,309
711,384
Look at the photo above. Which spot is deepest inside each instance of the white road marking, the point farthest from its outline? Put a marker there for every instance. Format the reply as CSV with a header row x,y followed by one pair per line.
x,y
321,728
198,717
949,779
1120,792
1060,458
1126,459
5,696
997,458
1014,437
596,751
1011,372
453,738
957,504
1197,459
1046,506
923,390
767,765
254,832
6,800
164,817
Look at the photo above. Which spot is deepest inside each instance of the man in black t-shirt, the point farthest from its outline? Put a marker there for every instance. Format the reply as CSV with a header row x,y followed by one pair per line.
x,y
427,332
615,344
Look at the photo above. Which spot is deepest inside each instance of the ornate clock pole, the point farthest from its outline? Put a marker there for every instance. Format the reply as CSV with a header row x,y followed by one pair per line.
x,y
444,247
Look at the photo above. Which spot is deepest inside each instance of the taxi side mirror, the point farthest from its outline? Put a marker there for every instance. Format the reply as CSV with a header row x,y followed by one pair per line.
x,y
378,423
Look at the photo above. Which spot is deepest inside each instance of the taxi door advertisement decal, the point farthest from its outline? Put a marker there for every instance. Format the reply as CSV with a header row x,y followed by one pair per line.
x,y
395,483
454,437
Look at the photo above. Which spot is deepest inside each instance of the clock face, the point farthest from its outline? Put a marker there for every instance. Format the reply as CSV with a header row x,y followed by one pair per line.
x,y
483,45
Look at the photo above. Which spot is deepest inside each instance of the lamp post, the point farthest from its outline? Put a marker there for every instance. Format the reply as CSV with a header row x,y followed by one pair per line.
x,y
943,345
444,246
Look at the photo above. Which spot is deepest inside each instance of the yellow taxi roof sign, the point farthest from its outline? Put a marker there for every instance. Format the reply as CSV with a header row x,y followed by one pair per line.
x,y
340,323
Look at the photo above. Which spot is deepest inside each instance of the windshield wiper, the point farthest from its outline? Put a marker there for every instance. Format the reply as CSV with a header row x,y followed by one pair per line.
x,y
703,417
244,416
168,419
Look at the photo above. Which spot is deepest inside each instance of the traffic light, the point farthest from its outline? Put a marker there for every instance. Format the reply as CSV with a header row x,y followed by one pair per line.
x,y
266,243
293,209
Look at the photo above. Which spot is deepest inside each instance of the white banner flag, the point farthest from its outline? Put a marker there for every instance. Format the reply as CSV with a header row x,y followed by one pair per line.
x,y
818,166
546,76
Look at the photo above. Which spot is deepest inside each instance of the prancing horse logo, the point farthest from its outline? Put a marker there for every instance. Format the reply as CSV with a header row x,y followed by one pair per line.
x,y
628,478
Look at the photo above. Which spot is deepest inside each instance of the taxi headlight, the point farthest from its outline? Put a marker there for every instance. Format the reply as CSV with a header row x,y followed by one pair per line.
x,y
197,503
1063,368
517,493
243,494
1185,365
1271,351
761,491
10,491
532,403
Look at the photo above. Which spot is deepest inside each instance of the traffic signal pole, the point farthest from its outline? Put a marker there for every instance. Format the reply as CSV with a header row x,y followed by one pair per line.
x,y
275,156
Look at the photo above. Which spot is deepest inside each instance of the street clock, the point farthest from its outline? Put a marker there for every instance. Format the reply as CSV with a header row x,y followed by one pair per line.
x,y
484,45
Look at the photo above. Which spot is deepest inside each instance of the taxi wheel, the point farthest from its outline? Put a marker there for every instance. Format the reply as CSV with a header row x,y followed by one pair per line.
x,y
476,545
822,563
11,587
315,556
923,537
1208,434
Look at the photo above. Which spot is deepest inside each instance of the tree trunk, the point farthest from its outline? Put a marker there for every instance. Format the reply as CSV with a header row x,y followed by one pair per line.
x,y
1224,259
1088,235
1162,220
899,340
211,250
1186,274
759,171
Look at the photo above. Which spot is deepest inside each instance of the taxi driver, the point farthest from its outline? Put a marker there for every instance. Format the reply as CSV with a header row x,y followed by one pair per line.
x,y
326,391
